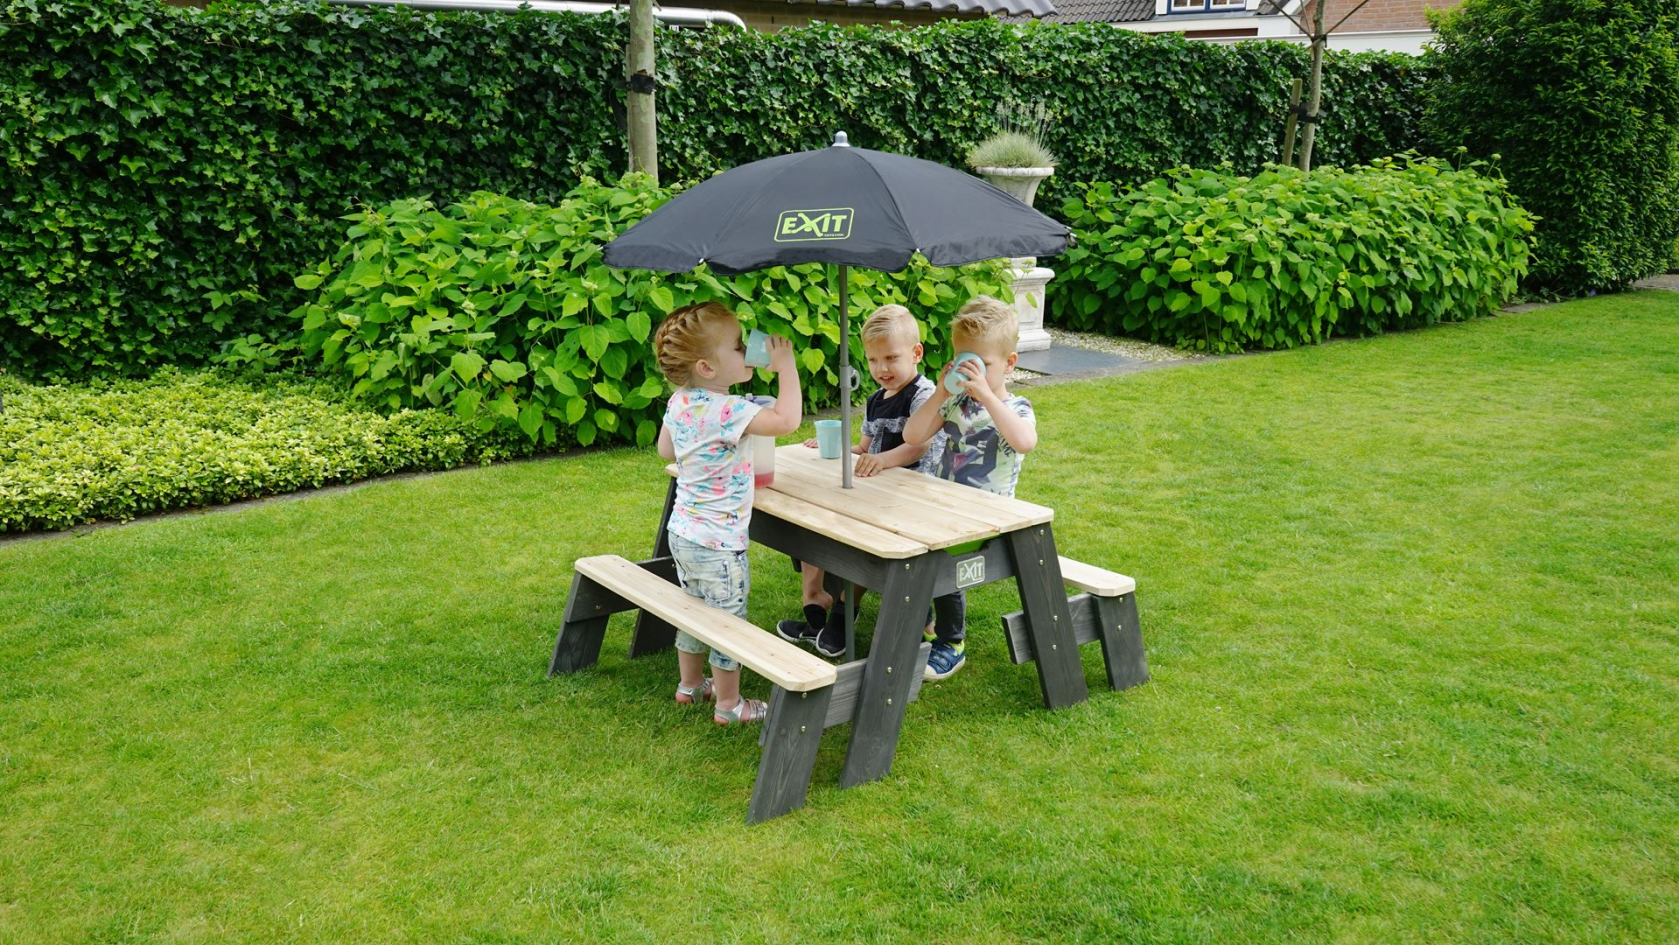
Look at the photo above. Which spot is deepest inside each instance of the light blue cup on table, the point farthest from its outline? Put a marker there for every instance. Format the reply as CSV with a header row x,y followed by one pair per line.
x,y
757,349
953,380
828,439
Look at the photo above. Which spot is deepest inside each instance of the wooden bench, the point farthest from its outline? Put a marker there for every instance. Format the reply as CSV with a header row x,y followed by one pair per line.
x,y
809,695
1106,611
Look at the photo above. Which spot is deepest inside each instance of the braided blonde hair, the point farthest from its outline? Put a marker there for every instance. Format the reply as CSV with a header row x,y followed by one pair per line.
x,y
685,337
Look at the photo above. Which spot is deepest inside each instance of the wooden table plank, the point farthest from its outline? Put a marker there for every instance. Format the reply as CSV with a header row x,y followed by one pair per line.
x,y
1001,512
880,542
882,505
823,521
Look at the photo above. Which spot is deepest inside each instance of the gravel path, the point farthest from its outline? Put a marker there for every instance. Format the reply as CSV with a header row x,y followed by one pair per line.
x,y
1125,347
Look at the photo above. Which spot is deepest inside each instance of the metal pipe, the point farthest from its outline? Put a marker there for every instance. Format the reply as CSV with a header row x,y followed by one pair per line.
x,y
673,16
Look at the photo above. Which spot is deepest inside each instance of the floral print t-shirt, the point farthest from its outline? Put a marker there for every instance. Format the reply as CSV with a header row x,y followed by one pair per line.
x,y
975,454
713,467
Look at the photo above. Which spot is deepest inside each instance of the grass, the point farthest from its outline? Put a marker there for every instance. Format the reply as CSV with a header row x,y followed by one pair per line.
x,y
1410,609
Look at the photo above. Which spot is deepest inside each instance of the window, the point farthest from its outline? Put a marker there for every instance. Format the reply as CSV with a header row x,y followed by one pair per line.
x,y
1206,6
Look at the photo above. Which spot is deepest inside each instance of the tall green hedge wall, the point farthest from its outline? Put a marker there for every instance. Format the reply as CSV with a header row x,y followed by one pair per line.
x,y
166,172
1580,98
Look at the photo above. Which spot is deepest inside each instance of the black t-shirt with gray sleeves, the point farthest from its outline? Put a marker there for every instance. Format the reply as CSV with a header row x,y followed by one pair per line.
x,y
884,418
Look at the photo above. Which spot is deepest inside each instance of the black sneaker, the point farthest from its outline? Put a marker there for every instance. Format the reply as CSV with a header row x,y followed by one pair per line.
x,y
795,631
802,631
831,641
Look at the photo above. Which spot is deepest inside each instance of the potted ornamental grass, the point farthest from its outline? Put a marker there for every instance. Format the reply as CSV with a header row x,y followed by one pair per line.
x,y
1014,159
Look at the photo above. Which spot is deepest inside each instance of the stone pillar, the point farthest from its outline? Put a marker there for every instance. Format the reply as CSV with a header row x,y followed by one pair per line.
x,y
1029,282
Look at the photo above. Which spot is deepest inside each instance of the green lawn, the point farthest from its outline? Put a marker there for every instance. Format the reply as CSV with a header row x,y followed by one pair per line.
x,y
1410,606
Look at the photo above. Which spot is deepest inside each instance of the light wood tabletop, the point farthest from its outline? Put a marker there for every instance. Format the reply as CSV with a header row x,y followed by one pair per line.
x,y
931,511
894,514
842,527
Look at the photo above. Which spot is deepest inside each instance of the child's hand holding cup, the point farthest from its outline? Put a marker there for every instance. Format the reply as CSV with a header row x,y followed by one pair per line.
x,y
955,377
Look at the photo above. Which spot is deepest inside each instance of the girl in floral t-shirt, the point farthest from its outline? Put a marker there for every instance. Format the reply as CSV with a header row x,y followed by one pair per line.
x,y
700,352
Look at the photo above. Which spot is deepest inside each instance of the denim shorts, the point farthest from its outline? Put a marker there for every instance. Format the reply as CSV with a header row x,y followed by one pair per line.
x,y
720,578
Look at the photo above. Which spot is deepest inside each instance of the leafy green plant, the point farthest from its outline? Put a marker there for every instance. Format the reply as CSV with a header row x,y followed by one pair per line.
x,y
1218,262
165,172
1580,101
503,312
115,449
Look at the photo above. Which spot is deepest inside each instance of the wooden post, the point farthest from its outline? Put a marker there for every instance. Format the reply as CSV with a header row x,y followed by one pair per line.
x,y
1319,40
639,109
1293,119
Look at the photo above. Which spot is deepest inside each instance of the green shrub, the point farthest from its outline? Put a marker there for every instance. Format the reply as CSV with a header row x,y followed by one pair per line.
x,y
117,449
1216,262
502,312
1580,99
165,172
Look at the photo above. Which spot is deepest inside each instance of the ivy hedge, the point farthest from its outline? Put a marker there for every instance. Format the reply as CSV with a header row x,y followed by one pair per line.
x,y
166,172
501,312
1214,261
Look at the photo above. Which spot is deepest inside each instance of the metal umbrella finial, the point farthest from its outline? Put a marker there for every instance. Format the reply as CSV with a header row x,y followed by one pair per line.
x,y
840,140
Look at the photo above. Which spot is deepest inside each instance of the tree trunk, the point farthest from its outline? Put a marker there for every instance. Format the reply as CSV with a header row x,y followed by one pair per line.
x,y
1319,40
639,110
1293,119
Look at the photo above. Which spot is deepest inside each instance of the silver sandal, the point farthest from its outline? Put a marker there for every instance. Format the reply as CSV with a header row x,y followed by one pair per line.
x,y
746,710
698,694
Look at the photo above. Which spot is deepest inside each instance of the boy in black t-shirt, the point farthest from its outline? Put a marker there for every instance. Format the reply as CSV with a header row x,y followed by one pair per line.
x,y
892,342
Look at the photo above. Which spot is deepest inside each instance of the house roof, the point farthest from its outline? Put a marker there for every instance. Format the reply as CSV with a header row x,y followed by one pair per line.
x,y
1013,8
1103,11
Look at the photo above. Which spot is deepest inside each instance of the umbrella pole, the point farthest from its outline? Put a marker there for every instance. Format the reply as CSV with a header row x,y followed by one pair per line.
x,y
845,375
845,453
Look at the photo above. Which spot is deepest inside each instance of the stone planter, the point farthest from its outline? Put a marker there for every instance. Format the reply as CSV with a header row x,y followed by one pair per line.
x,y
1030,279
1021,183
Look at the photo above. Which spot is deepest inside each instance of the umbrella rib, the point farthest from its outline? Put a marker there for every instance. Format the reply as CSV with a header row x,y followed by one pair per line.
x,y
740,207
890,195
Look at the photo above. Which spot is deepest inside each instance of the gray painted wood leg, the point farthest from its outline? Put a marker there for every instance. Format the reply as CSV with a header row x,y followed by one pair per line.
x,y
792,732
577,645
1122,641
1049,621
653,635
889,674
838,586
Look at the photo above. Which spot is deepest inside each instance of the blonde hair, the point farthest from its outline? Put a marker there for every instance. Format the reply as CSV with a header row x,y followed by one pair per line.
x,y
890,321
988,321
685,336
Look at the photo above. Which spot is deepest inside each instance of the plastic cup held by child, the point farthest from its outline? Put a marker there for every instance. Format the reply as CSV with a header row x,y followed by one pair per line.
x,y
757,349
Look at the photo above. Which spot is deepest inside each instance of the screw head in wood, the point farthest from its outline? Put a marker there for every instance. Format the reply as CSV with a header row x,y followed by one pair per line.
x,y
888,670
888,701
1055,646
801,728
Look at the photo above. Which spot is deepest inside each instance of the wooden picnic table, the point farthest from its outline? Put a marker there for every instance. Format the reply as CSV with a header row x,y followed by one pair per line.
x,y
910,538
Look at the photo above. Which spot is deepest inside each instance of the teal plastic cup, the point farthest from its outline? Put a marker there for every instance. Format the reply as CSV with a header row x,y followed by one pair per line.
x,y
953,380
757,349
828,439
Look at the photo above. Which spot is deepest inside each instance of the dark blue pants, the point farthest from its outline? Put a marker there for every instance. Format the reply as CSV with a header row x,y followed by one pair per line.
x,y
950,618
